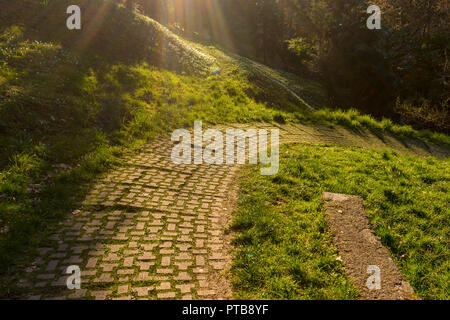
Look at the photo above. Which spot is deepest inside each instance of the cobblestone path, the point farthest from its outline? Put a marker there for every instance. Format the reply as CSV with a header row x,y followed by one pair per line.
x,y
155,230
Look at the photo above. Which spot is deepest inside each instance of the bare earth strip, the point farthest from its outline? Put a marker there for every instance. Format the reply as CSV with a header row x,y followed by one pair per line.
x,y
361,250
155,230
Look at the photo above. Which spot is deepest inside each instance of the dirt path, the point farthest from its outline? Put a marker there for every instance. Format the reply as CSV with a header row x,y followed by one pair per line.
x,y
155,230
367,262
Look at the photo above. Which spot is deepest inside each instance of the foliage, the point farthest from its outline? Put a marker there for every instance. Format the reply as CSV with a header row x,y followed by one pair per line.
x,y
424,114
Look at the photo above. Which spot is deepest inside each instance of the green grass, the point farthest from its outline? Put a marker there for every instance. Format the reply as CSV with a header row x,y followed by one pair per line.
x,y
355,120
280,222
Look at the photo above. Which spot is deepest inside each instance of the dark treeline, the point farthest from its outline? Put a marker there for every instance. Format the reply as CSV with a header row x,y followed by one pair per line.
x,y
399,71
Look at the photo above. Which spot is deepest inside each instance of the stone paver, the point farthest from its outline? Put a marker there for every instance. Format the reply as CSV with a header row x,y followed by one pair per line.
x,y
152,229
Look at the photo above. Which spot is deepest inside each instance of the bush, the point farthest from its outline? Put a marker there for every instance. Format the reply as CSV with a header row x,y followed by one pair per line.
x,y
425,115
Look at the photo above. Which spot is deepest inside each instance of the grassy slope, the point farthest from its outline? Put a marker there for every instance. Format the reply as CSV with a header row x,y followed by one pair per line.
x,y
280,221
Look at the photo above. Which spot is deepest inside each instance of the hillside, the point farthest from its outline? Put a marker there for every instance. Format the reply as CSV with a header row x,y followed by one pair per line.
x,y
72,102
79,109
